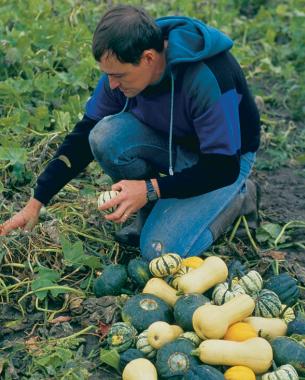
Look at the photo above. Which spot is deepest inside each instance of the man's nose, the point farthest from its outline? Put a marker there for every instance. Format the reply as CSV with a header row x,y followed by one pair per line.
x,y
113,83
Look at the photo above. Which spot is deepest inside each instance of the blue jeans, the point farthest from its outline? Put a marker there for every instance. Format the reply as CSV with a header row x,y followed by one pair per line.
x,y
128,149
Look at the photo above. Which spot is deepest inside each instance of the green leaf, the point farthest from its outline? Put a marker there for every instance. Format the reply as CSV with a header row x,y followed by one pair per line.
x,y
110,357
45,277
13,154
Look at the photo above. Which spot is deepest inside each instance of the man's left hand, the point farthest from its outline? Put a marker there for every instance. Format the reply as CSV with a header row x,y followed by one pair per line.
x,y
131,197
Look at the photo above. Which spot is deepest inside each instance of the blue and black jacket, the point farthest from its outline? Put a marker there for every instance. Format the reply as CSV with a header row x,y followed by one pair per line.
x,y
202,101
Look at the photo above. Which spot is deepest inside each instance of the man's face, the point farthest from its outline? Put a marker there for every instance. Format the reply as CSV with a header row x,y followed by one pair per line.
x,y
129,78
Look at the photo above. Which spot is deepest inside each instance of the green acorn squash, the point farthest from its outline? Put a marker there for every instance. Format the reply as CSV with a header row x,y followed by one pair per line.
x,y
252,282
285,287
165,265
297,326
289,351
111,281
191,336
236,269
129,355
225,291
138,271
267,304
184,309
175,359
121,336
142,310
203,372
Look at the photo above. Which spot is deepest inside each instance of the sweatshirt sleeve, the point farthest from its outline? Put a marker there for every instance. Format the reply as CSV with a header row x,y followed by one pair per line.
x,y
215,115
74,154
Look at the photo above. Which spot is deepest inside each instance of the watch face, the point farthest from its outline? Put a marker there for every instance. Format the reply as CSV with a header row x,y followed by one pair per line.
x,y
152,196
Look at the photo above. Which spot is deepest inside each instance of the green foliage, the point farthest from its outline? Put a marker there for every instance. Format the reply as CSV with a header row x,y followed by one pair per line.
x,y
45,277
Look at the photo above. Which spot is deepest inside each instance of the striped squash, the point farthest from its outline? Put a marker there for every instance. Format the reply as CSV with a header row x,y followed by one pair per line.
x,y
252,282
144,346
223,292
288,315
193,337
105,196
121,336
165,265
267,304
284,372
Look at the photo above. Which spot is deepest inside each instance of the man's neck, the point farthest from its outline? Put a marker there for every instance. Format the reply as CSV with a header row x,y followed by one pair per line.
x,y
160,66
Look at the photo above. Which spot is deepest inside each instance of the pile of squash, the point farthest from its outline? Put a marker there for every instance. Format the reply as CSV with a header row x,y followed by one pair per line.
x,y
197,319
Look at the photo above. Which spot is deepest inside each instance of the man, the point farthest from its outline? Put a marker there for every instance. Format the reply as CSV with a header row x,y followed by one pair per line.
x,y
173,123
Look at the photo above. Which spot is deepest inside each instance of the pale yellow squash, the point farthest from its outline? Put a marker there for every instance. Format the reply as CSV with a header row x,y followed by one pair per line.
x,y
159,333
161,289
213,271
255,353
268,328
212,322
140,369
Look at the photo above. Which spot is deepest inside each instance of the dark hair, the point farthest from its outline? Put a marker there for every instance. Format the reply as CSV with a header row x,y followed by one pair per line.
x,y
126,31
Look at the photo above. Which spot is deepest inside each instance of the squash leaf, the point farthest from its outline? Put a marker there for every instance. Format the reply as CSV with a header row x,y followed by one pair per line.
x,y
111,358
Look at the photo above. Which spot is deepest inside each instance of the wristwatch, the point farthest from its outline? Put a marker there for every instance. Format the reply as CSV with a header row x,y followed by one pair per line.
x,y
151,194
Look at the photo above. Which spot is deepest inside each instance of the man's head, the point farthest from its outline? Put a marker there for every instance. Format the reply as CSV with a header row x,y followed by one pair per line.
x,y
129,46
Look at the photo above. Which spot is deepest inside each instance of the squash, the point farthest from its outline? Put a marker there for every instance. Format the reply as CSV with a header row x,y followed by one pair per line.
x,y
297,326
129,355
138,271
161,289
175,359
136,368
212,322
211,272
255,353
203,372
192,262
252,282
289,351
287,314
111,281
159,333
240,331
121,336
285,287
104,197
191,336
285,372
165,265
224,292
268,328
175,278
267,304
184,309
142,310
144,346
239,372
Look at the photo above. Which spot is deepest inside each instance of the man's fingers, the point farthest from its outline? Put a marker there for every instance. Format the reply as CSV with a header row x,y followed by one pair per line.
x,y
120,215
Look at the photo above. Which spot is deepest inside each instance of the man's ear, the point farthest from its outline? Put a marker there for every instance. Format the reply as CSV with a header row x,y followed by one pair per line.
x,y
149,56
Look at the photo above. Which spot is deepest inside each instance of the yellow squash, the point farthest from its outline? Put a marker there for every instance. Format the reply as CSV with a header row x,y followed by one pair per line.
x,y
138,368
240,331
161,289
268,328
239,372
159,333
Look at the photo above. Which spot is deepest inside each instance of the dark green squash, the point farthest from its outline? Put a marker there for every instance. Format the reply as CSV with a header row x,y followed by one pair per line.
x,y
267,304
138,271
203,372
185,307
297,326
236,269
285,287
175,359
111,281
142,310
121,336
289,351
129,355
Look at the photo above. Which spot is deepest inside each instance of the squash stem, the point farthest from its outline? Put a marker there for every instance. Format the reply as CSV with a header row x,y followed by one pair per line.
x,y
233,233
195,352
249,234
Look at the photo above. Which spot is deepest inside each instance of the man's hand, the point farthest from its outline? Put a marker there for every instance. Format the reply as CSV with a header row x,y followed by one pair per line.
x,y
131,197
25,218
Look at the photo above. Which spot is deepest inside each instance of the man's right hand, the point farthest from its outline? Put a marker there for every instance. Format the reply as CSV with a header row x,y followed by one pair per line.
x,y
25,218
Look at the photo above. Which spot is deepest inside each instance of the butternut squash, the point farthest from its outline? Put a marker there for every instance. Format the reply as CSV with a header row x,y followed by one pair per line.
x,y
161,289
139,367
159,333
268,328
255,353
213,271
212,322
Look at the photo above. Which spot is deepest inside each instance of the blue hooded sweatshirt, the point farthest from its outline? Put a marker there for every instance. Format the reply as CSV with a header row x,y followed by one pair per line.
x,y
202,102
